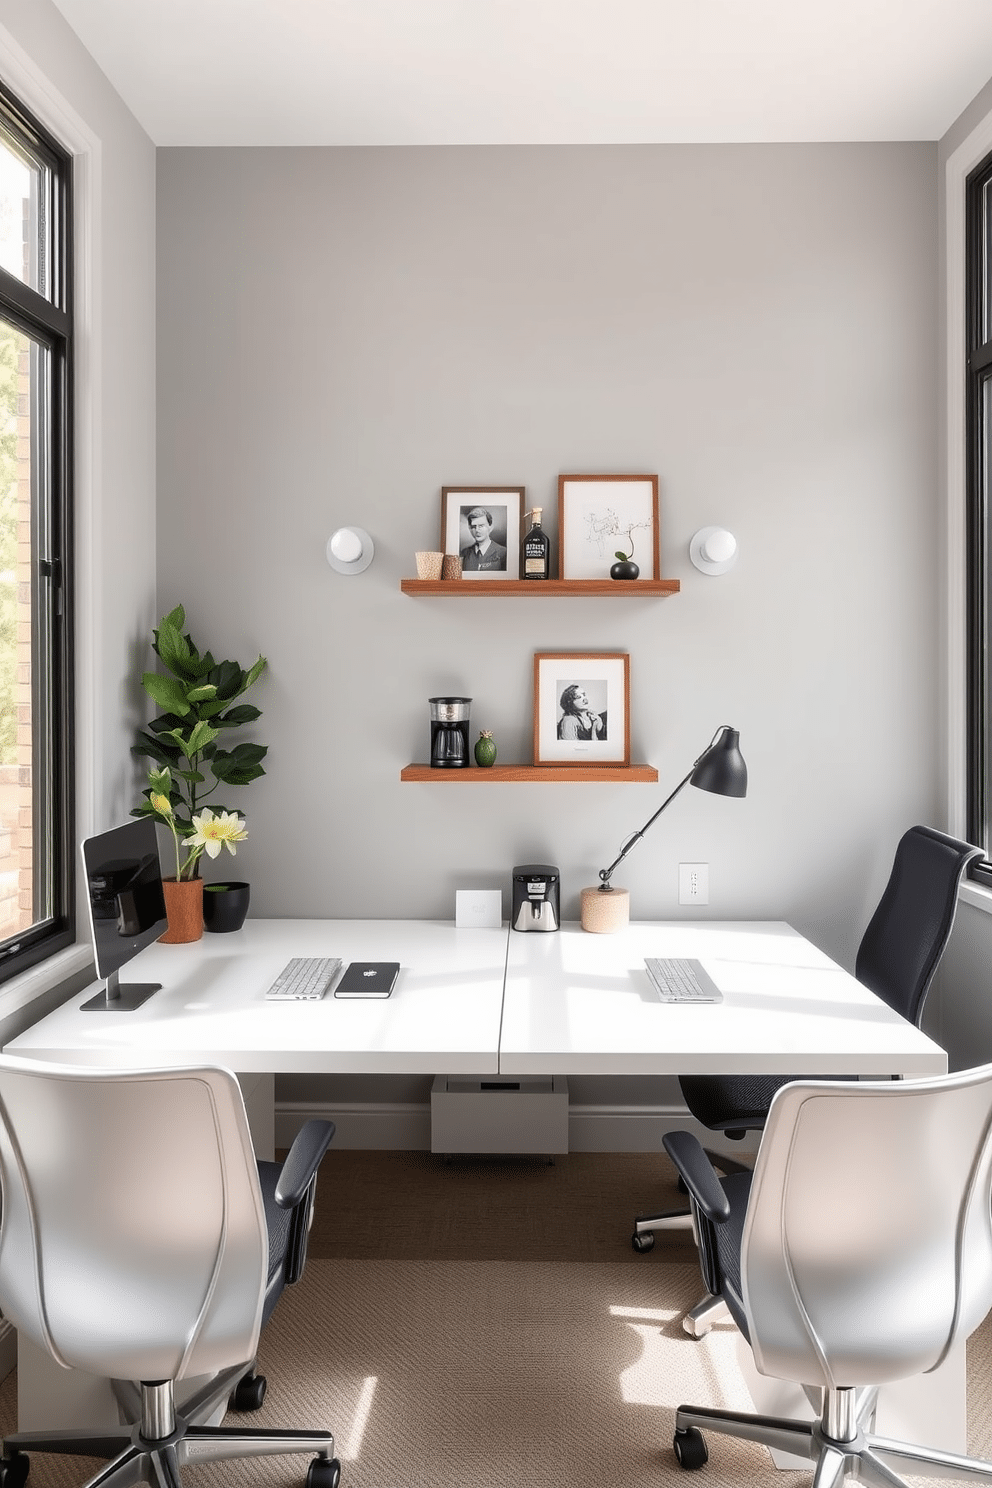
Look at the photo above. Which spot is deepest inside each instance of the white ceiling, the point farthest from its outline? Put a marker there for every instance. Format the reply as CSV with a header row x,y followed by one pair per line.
x,y
385,72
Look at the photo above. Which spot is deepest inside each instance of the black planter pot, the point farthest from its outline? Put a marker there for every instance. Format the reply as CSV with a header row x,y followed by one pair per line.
x,y
225,906
624,570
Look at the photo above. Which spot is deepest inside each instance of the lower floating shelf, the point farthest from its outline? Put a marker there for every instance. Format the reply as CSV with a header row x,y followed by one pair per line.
x,y
523,774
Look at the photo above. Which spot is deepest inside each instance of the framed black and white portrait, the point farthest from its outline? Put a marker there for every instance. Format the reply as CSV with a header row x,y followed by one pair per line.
x,y
581,708
482,525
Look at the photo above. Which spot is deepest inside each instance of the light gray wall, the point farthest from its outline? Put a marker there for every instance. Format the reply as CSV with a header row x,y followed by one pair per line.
x,y
342,332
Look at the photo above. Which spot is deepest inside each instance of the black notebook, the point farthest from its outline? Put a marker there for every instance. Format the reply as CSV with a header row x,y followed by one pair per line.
x,y
368,979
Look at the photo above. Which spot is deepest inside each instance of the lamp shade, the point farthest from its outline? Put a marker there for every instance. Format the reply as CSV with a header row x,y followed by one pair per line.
x,y
721,768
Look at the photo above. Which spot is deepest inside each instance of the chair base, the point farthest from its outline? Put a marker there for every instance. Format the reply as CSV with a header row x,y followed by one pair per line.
x,y
705,1315
647,1225
160,1443
865,1457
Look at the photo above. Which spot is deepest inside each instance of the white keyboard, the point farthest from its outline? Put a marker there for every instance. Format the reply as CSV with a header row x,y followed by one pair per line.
x,y
679,980
304,979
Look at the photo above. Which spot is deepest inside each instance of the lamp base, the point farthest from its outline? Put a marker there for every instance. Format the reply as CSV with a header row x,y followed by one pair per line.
x,y
604,912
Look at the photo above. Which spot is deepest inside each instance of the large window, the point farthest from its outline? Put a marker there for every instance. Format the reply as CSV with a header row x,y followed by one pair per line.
x,y
36,835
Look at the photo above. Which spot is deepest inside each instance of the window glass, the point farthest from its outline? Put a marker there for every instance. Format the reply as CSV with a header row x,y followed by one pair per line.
x,y
24,218
37,833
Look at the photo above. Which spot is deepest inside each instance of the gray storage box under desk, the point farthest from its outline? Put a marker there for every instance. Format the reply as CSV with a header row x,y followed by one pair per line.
x,y
528,1114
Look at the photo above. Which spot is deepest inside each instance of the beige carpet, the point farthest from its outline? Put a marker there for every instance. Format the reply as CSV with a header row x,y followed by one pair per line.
x,y
463,1372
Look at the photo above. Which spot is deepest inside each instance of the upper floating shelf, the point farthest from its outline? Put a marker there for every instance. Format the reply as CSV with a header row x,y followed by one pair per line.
x,y
535,588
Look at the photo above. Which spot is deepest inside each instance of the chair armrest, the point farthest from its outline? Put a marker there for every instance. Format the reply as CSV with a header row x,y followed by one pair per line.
x,y
302,1162
698,1174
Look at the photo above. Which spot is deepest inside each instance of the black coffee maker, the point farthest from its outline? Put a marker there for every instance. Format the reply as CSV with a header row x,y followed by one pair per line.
x,y
449,732
536,897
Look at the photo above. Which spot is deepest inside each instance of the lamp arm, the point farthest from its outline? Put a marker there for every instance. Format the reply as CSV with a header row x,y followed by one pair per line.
x,y
607,873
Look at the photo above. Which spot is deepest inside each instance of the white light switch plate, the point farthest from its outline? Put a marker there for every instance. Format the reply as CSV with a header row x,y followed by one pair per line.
x,y
478,909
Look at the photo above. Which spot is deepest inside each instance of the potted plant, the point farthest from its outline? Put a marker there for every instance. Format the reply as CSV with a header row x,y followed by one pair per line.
x,y
198,696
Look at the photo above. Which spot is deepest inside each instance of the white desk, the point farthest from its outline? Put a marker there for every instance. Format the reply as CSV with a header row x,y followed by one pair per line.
x,y
491,1002
443,1015
582,1004
496,1002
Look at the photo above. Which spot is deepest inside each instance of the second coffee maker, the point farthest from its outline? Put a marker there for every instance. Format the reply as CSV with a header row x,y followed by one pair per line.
x,y
536,902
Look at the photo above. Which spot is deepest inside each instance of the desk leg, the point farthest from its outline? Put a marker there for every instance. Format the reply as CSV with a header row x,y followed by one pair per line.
x,y
259,1092
927,1410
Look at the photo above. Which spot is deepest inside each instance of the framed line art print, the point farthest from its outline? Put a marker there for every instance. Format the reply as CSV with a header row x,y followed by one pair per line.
x,y
602,515
581,708
482,524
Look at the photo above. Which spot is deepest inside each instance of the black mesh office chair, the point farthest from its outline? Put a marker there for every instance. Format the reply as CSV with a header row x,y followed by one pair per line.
x,y
897,958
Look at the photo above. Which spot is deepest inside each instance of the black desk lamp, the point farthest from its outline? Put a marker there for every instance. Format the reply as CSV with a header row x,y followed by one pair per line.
x,y
720,769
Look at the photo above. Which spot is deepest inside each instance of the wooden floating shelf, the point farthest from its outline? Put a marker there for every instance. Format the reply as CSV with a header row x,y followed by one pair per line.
x,y
546,588
523,774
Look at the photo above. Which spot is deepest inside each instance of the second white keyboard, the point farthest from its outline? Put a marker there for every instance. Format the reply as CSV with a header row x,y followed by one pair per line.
x,y
677,979
304,979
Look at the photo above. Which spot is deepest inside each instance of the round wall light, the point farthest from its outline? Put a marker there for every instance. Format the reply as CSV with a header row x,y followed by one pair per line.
x,y
713,550
350,550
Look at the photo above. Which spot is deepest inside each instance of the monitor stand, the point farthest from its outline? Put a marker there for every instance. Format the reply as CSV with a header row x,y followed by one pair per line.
x,y
118,999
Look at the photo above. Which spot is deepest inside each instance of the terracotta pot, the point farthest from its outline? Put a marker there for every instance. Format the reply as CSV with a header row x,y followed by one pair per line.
x,y
184,906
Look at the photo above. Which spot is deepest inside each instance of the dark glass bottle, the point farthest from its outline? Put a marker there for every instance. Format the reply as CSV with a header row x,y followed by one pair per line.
x,y
535,550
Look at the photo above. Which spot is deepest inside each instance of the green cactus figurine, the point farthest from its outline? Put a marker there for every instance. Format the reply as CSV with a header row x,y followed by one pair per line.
x,y
485,749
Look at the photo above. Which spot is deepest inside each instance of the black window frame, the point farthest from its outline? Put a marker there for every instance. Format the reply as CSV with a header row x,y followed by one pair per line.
x,y
48,319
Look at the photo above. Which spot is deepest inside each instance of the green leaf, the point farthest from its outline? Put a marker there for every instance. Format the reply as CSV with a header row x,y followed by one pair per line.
x,y
201,735
174,649
201,694
193,776
243,754
238,776
167,692
165,754
243,713
227,679
255,673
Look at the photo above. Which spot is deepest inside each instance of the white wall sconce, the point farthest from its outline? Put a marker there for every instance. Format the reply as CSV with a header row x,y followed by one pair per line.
x,y
350,550
713,550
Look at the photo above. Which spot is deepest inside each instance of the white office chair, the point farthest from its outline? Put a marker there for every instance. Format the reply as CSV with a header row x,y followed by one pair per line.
x,y
858,1253
135,1247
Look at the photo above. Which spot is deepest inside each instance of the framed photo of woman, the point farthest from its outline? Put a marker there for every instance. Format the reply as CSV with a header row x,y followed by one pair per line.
x,y
581,708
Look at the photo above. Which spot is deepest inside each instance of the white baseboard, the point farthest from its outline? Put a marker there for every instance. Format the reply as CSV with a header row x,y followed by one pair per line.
x,y
397,1127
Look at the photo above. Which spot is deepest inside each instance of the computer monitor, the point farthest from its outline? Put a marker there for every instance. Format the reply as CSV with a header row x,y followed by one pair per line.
x,y
127,908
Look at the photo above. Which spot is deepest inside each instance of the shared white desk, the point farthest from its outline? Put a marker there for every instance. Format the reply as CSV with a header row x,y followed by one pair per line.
x,y
492,1002
498,1003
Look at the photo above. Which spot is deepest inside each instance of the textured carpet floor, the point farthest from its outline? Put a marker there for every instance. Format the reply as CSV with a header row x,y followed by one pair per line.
x,y
468,1372
417,1206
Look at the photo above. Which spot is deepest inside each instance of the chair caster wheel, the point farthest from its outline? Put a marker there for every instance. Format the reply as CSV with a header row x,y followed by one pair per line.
x,y
14,1470
690,1448
642,1242
248,1394
324,1472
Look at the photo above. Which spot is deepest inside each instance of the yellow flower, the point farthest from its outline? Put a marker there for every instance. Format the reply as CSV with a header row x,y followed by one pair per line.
x,y
211,833
161,803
